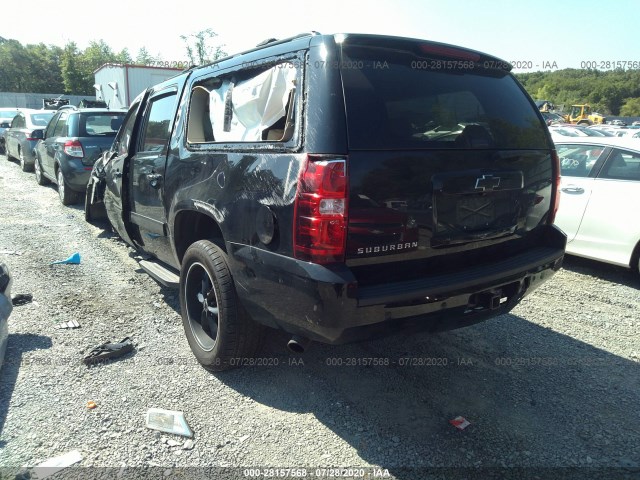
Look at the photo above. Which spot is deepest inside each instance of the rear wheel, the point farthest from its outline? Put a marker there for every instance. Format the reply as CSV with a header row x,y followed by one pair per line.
x,y
67,196
219,331
40,178
23,162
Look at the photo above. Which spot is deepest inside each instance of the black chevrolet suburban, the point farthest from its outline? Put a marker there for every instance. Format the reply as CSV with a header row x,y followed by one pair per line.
x,y
337,187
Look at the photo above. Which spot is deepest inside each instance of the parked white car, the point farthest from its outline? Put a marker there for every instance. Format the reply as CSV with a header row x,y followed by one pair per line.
x,y
600,196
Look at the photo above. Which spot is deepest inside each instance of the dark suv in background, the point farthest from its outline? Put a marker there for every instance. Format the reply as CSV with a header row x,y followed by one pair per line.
x,y
73,140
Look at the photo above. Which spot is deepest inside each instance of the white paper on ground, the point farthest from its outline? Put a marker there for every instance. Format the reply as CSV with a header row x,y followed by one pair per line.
x,y
55,464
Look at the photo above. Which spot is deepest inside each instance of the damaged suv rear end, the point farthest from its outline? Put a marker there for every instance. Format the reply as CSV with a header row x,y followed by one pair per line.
x,y
420,194
336,187
450,137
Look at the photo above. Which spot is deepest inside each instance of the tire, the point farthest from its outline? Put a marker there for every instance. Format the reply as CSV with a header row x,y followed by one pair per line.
x,y
208,295
40,178
67,196
93,213
88,217
23,162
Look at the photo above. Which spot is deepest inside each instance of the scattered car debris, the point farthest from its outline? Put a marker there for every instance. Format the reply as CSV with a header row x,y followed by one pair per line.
x,y
72,260
107,351
69,324
91,404
460,423
169,421
21,299
55,464
188,445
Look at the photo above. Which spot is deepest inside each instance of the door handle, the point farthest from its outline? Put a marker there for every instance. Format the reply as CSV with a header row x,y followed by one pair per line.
x,y
154,179
572,190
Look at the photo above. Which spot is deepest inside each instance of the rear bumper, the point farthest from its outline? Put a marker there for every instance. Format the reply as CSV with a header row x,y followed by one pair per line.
x,y
27,147
326,304
76,174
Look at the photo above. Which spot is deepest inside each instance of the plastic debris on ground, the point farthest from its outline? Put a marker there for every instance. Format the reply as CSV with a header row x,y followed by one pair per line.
x,y
107,351
69,324
72,260
91,405
169,421
55,464
10,252
460,423
21,299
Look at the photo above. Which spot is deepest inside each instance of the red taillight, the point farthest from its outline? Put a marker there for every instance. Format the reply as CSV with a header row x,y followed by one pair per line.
x,y
320,223
449,52
73,148
32,136
556,186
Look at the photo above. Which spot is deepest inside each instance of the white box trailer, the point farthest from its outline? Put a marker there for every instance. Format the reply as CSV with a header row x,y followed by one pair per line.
x,y
119,84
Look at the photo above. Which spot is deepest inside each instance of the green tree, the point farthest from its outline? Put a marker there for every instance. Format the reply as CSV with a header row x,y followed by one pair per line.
x,y
201,48
605,91
123,56
13,60
44,68
50,69
78,67
71,69
144,57
631,107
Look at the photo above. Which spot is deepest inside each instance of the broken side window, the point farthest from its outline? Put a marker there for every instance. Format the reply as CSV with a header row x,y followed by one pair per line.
x,y
251,109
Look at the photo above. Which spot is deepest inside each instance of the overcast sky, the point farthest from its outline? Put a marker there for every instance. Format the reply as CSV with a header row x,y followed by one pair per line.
x,y
534,33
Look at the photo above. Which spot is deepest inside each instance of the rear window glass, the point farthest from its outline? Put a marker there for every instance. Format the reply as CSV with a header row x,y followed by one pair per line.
x,y
41,119
394,103
8,115
100,124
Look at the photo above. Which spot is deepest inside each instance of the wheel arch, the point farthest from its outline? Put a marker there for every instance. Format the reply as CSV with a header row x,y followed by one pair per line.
x,y
635,258
189,226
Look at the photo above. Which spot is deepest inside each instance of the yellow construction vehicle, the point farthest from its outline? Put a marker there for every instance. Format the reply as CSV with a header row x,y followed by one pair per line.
x,y
582,115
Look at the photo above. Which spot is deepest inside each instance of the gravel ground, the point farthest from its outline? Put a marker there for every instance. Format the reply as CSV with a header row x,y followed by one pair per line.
x,y
553,384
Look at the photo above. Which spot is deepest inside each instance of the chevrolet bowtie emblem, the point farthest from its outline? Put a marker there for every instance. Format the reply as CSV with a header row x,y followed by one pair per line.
x,y
487,182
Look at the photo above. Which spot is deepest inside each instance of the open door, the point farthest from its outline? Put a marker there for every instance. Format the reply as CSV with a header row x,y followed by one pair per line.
x,y
114,195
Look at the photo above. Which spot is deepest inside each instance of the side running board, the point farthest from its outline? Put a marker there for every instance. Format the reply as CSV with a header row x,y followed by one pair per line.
x,y
160,274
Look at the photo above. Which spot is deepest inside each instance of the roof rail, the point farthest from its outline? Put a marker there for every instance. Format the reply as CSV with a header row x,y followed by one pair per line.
x,y
269,41
264,43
